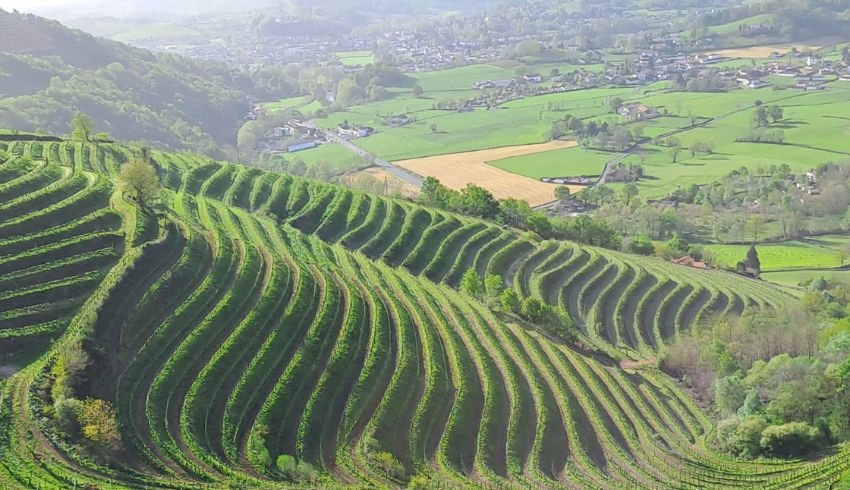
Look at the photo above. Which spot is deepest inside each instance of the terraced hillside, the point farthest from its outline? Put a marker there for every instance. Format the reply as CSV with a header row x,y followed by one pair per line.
x,y
58,236
261,315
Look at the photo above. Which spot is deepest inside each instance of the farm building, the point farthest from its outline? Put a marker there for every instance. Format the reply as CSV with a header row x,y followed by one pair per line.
x,y
638,111
300,145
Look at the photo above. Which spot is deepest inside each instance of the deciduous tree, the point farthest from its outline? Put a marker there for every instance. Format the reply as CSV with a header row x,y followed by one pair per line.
x,y
141,181
82,127
470,283
562,193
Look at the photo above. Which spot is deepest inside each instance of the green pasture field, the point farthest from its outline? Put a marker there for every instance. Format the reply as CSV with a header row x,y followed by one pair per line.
x,y
778,257
556,163
816,131
354,58
458,132
732,27
336,156
283,104
794,278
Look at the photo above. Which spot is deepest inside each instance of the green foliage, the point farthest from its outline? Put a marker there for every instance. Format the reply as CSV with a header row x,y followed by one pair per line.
x,y
82,127
296,471
475,200
615,103
510,300
141,180
532,309
390,465
677,246
99,423
528,47
470,283
418,482
788,440
494,285
760,117
65,415
730,393
642,245
592,231
844,483
71,361
742,437
752,262
562,193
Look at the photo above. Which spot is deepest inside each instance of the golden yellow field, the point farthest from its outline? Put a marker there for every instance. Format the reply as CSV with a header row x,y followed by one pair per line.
x,y
766,50
458,169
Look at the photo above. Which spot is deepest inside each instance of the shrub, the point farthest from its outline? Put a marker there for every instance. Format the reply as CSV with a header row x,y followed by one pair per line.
x,y
99,422
741,437
792,439
470,283
532,309
509,300
71,361
65,415
390,465
494,285
418,482
642,245
295,470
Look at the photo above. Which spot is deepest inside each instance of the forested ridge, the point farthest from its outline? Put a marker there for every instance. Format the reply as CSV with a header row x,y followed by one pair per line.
x,y
49,72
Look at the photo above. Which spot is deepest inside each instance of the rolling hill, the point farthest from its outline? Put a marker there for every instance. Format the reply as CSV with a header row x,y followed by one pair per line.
x,y
260,315
49,72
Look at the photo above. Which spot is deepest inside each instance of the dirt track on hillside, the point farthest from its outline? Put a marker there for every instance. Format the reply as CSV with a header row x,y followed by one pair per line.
x,y
394,184
458,169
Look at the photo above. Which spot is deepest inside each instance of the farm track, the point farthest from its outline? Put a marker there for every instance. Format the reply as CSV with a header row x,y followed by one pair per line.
x,y
265,315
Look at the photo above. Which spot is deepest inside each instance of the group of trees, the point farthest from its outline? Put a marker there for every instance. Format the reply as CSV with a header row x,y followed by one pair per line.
x,y
737,208
474,200
779,380
492,292
711,83
593,134
370,84
761,135
763,114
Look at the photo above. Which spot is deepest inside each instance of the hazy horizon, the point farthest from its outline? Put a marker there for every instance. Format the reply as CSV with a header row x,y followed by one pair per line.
x,y
27,5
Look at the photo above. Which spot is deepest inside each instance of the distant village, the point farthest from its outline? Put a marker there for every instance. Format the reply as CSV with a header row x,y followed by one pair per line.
x,y
809,73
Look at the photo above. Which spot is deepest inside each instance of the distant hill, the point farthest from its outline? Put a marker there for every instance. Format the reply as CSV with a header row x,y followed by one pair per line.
x,y
19,36
48,72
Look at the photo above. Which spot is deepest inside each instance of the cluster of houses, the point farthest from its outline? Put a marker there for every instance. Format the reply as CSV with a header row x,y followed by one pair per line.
x,y
638,112
809,185
810,72
292,137
580,180
353,131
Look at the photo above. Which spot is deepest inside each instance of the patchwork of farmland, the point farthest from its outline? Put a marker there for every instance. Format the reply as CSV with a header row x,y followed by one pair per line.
x,y
261,315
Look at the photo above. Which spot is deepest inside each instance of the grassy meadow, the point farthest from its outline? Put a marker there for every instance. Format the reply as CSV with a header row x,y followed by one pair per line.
x,y
794,278
355,58
556,163
810,253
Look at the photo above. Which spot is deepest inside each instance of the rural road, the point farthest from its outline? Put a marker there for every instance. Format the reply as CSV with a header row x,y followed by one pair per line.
x,y
397,171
